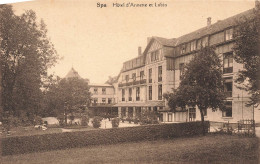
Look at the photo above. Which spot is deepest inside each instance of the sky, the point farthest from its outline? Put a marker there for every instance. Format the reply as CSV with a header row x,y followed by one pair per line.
x,y
96,41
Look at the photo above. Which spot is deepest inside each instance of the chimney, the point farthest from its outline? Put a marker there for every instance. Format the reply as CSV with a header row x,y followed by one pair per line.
x,y
208,21
257,4
139,51
148,40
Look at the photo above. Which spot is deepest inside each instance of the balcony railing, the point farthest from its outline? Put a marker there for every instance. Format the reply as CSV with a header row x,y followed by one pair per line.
x,y
132,83
137,98
123,99
100,104
129,98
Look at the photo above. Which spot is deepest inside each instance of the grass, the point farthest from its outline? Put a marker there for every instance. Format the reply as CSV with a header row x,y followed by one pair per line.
x,y
198,149
30,130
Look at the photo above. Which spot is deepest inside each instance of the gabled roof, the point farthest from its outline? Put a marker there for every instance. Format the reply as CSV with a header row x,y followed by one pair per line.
x,y
165,42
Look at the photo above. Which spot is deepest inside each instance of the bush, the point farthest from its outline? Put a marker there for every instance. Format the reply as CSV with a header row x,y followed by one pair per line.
x,y
136,121
96,121
84,120
61,119
36,143
37,120
115,122
129,119
149,117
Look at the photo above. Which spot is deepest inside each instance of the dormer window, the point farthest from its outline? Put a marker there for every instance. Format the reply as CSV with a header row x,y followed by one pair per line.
x,y
193,45
183,49
229,34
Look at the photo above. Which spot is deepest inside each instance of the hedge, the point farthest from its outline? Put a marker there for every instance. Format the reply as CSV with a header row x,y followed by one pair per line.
x,y
36,143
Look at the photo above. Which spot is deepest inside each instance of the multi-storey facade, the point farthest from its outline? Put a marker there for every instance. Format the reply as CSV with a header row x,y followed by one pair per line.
x,y
144,79
102,96
102,100
157,70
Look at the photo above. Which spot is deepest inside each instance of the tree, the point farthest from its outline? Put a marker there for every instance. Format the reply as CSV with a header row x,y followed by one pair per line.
x,y
111,80
68,96
246,50
201,84
26,54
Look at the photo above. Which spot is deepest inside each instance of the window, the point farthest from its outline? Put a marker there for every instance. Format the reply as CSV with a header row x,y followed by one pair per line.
x,y
159,73
155,56
127,78
95,90
229,34
193,45
199,45
160,92
123,94
150,93
134,76
141,75
181,69
192,114
183,49
103,100
130,94
228,83
227,112
150,75
137,93
103,91
204,42
228,62
109,101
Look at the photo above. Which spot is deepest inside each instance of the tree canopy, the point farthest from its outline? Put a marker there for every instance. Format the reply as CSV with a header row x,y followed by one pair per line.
x,y
246,50
67,96
26,54
201,84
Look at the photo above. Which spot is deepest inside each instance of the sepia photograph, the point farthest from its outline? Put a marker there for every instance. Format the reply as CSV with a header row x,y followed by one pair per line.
x,y
129,81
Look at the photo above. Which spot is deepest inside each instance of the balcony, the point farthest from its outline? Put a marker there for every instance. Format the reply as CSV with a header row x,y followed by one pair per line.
x,y
101,104
137,98
129,98
123,99
132,83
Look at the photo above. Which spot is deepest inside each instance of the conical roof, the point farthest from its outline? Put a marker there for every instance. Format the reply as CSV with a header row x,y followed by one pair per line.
x,y
72,74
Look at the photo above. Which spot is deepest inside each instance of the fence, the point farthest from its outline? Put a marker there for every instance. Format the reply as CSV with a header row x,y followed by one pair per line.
x,y
245,127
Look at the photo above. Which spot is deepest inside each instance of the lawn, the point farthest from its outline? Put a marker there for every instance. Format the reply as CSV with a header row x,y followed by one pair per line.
x,y
30,130
199,149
